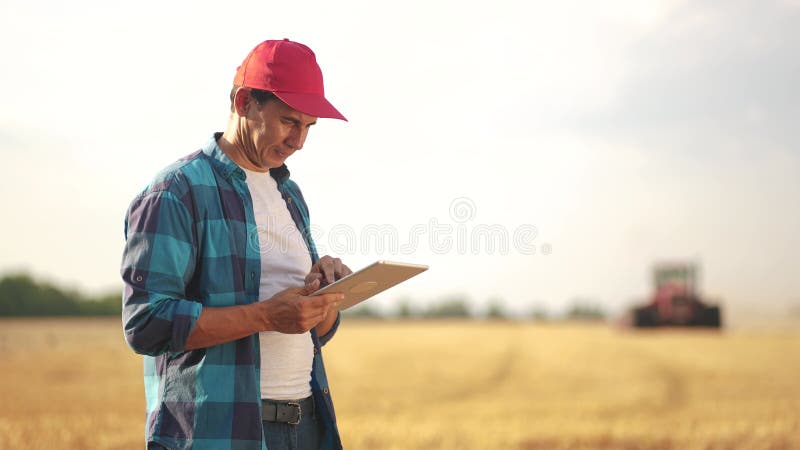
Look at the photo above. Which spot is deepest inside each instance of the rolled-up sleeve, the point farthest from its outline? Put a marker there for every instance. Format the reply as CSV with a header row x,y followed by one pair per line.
x,y
157,265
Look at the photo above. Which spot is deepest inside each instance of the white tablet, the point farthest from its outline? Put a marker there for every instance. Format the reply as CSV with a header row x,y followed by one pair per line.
x,y
375,278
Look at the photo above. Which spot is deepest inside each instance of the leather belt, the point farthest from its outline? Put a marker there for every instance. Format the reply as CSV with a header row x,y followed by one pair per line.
x,y
286,411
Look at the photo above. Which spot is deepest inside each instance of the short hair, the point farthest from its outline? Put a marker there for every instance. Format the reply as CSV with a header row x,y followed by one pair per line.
x,y
260,96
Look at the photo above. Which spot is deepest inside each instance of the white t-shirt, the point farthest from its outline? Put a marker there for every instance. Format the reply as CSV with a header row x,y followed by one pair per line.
x,y
286,359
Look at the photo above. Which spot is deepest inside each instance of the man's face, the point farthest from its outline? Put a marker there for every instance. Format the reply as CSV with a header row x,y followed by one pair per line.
x,y
271,132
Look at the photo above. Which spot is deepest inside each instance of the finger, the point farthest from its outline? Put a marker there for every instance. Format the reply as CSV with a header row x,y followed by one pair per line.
x,y
291,292
320,316
346,270
313,276
319,319
326,300
315,318
311,320
327,270
337,268
327,266
311,287
325,260
330,309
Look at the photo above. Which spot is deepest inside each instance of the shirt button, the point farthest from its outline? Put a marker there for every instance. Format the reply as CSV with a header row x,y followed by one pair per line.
x,y
325,391
315,350
138,278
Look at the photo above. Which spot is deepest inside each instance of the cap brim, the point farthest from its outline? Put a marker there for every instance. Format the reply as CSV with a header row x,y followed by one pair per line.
x,y
311,104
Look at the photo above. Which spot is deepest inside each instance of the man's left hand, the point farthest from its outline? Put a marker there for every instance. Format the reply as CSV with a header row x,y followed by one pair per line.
x,y
327,270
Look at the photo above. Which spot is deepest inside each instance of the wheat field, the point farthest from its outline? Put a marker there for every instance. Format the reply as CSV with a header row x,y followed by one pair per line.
x,y
73,384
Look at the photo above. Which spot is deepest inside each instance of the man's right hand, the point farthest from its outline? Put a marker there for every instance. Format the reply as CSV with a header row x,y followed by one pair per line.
x,y
289,311
293,311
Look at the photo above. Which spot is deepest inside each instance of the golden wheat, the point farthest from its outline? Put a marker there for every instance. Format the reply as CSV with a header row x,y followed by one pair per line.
x,y
72,383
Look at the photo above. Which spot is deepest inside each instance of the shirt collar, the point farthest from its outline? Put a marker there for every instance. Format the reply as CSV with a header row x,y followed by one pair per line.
x,y
229,168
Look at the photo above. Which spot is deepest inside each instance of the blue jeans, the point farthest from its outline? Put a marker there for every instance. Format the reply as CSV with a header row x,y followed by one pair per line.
x,y
303,436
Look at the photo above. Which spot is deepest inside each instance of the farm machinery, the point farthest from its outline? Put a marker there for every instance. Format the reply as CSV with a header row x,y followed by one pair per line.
x,y
675,300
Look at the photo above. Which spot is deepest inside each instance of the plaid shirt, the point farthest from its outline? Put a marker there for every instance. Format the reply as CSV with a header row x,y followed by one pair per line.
x,y
191,241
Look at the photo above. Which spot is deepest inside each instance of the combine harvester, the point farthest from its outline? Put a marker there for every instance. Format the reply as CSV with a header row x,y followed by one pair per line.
x,y
675,301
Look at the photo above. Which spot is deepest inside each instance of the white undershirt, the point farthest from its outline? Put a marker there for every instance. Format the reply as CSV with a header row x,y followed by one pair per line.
x,y
286,359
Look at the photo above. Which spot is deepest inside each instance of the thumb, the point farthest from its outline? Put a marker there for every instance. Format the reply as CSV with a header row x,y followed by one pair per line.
x,y
310,288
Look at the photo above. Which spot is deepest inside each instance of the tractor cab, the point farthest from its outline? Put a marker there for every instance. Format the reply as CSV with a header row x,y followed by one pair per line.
x,y
675,301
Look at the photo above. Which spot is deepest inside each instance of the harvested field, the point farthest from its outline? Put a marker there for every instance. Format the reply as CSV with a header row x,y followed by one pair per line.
x,y
74,384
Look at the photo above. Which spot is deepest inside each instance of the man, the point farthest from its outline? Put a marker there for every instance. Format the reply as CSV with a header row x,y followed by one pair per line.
x,y
218,267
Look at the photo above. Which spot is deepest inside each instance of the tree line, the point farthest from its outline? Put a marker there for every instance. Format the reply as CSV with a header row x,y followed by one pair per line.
x,y
459,307
23,296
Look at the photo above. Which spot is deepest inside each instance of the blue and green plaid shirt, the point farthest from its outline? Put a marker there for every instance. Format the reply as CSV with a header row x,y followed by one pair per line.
x,y
191,242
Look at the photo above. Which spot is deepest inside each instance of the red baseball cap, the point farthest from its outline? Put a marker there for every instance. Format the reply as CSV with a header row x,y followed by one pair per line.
x,y
290,71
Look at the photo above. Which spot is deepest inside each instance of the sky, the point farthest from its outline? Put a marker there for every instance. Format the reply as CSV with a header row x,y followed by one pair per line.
x,y
535,152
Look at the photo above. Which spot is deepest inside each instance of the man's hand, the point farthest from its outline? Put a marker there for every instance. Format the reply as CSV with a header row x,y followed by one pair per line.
x,y
326,271
289,311
292,311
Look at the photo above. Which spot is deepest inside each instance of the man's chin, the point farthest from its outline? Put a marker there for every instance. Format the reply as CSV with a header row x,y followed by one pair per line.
x,y
276,162
277,158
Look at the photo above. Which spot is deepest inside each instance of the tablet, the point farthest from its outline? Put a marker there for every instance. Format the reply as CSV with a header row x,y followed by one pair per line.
x,y
376,277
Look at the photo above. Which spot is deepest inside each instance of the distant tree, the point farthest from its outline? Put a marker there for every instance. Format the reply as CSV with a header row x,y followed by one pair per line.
x,y
21,295
106,305
363,311
539,314
451,307
585,310
403,310
496,309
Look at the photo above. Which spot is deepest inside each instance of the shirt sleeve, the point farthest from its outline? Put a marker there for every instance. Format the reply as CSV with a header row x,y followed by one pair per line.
x,y
157,265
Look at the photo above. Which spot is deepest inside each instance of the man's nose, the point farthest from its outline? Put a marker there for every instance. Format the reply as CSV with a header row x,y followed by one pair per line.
x,y
296,138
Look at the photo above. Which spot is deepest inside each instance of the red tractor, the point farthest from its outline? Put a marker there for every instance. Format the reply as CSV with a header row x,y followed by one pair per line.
x,y
676,301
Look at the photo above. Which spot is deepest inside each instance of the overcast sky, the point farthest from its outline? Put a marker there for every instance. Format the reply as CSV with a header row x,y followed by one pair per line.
x,y
623,132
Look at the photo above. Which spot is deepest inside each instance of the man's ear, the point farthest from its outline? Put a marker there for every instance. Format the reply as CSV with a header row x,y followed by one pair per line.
x,y
241,101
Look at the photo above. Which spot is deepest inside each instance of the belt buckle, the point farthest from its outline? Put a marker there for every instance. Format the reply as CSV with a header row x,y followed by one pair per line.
x,y
299,413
